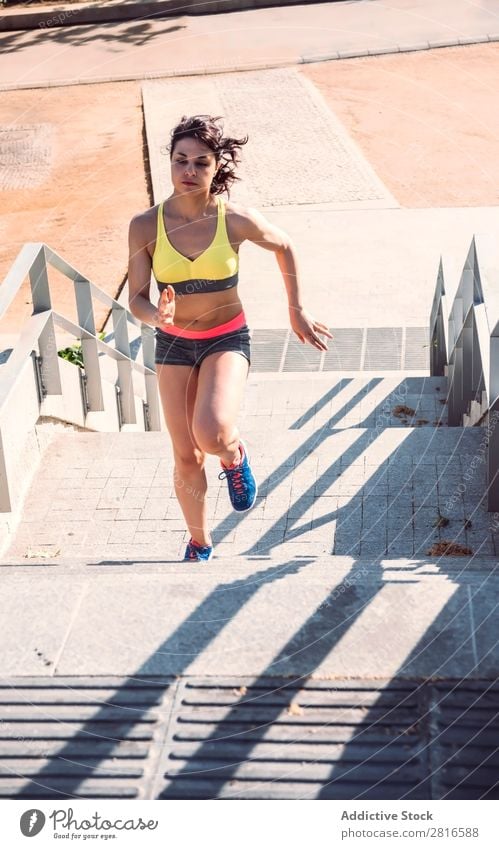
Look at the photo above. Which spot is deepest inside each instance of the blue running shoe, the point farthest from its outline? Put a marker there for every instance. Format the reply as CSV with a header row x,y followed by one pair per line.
x,y
195,552
242,485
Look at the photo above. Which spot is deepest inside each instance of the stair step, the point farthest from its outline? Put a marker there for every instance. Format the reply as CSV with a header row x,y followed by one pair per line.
x,y
348,401
416,383
294,616
229,567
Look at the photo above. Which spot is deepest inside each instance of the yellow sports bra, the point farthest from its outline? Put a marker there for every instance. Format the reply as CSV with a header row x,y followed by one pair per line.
x,y
212,271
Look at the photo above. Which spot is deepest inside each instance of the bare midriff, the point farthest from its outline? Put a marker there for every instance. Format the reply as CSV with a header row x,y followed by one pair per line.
x,y
202,312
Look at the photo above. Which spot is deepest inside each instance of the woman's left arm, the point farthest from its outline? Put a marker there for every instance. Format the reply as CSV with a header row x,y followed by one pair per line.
x,y
257,229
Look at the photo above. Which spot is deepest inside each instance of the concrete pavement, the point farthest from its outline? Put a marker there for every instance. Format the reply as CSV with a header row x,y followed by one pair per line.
x,y
54,14
238,40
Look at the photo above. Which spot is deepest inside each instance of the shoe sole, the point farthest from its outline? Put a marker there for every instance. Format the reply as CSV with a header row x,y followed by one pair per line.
x,y
203,560
200,560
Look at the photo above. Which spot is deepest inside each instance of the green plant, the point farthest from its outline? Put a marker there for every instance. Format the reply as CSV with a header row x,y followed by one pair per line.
x,y
73,354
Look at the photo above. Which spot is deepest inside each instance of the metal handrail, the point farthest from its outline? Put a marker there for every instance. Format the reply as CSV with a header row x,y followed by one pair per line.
x,y
464,344
38,338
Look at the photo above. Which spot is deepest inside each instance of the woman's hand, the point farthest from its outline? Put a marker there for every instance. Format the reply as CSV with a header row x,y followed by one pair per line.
x,y
166,307
308,329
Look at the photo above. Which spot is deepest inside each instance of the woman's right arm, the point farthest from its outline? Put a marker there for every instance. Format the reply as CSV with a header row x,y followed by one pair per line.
x,y
139,280
139,273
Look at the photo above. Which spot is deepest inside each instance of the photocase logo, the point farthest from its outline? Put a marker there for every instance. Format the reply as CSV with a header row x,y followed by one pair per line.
x,y
32,822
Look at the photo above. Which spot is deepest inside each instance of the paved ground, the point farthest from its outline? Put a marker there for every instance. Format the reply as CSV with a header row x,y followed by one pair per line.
x,y
250,39
423,121
289,615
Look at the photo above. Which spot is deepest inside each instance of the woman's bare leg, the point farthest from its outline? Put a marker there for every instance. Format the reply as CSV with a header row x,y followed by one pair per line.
x,y
177,388
220,387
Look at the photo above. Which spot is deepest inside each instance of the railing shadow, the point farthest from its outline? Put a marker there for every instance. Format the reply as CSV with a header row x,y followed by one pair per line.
x,y
414,496
311,443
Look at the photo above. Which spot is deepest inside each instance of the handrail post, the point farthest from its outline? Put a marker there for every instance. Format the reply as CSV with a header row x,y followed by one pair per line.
x,y
89,349
5,499
438,354
125,381
454,390
437,340
147,335
50,373
493,443
39,283
468,391
47,342
493,459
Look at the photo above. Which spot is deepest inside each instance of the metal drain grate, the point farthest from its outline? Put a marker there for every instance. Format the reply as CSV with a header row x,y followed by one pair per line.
x,y
467,760
275,740
383,348
351,349
345,350
267,348
417,347
267,738
88,738
314,739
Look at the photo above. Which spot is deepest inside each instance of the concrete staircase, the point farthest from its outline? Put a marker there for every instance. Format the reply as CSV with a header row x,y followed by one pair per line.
x,y
321,612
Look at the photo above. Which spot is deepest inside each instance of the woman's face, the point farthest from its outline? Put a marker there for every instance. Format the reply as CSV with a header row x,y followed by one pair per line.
x,y
193,166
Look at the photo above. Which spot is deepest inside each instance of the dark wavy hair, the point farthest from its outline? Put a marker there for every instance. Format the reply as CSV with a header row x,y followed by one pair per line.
x,y
226,149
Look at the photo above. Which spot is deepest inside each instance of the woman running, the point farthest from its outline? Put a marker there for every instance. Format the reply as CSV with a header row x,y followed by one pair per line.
x,y
191,242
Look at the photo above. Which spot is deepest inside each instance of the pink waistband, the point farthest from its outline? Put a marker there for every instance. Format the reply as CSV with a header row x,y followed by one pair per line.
x,y
234,324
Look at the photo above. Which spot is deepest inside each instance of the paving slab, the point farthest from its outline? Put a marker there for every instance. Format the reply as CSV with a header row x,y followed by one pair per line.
x,y
330,617
484,612
295,112
35,620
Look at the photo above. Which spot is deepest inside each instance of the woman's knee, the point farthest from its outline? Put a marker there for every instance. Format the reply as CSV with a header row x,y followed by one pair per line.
x,y
189,460
215,436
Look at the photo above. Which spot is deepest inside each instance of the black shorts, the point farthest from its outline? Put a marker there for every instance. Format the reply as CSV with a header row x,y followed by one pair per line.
x,y
178,351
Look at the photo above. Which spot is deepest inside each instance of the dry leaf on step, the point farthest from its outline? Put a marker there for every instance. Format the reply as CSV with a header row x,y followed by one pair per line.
x,y
295,710
42,553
